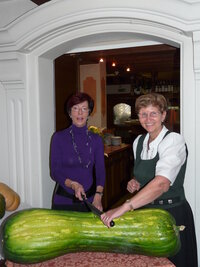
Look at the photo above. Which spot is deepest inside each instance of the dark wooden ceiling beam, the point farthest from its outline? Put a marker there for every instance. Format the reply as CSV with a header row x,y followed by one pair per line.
x,y
140,59
40,2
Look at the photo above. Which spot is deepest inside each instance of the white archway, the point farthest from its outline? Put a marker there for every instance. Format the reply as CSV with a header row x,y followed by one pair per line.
x,y
148,32
30,44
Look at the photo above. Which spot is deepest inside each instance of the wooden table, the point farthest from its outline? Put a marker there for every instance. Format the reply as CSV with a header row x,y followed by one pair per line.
x,y
100,259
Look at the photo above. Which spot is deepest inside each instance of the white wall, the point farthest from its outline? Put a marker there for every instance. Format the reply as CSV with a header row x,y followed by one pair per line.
x,y
12,9
3,137
47,110
28,47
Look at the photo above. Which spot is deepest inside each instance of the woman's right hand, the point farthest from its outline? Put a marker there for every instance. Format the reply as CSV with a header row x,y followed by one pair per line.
x,y
133,185
109,215
78,190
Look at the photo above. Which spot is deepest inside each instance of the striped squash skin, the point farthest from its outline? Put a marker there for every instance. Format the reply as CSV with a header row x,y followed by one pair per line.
x,y
36,235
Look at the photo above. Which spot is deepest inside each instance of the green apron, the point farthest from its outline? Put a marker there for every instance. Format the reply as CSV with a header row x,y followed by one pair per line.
x,y
144,172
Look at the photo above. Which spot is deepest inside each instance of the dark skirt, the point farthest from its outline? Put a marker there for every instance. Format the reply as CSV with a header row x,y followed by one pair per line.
x,y
187,256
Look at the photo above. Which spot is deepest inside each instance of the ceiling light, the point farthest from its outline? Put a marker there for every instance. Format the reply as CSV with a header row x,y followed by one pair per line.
x,y
101,59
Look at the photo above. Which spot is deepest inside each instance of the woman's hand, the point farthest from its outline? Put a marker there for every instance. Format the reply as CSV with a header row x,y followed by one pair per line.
x,y
97,202
133,185
78,190
108,216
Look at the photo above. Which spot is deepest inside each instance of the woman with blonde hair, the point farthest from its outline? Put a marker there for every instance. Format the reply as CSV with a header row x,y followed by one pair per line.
x,y
160,158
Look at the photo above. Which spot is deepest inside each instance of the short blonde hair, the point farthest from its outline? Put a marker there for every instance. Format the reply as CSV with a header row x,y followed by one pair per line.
x,y
154,99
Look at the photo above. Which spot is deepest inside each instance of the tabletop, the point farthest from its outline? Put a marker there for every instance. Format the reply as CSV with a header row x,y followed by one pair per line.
x,y
100,259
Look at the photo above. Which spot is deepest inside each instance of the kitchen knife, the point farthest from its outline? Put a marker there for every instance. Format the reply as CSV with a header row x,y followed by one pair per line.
x,y
94,209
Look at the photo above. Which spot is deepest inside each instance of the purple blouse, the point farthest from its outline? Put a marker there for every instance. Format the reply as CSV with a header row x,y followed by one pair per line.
x,y
66,161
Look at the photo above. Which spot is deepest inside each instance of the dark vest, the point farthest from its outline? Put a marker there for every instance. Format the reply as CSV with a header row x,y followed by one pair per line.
x,y
144,172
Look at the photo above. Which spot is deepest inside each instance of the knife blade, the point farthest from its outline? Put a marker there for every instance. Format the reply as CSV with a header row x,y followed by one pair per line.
x,y
94,209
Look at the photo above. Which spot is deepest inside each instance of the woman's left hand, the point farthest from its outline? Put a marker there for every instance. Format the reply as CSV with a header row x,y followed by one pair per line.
x,y
133,185
97,202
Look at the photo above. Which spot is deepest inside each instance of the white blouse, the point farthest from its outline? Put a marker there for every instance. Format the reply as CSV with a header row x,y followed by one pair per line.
x,y
171,149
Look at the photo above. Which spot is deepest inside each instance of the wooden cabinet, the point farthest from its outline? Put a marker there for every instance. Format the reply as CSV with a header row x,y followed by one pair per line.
x,y
119,166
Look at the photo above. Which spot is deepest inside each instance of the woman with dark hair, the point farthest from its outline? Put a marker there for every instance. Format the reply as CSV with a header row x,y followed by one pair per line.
x,y
160,159
76,154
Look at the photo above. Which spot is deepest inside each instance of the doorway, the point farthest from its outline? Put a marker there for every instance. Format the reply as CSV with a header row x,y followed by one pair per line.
x,y
152,68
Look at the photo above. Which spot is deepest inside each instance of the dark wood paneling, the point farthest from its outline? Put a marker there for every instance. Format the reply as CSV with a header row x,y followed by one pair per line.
x,y
65,84
119,165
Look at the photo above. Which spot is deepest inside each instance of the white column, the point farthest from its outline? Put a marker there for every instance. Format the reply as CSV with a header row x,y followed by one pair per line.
x,y
27,123
196,39
13,116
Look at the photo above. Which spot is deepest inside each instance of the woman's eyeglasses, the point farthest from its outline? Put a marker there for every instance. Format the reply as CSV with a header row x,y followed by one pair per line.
x,y
77,109
152,114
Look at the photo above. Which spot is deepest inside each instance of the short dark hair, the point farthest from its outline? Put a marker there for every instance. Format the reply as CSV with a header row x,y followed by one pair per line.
x,y
78,98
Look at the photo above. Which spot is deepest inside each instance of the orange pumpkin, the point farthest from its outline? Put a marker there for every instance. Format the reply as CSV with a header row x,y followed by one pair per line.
x,y
11,197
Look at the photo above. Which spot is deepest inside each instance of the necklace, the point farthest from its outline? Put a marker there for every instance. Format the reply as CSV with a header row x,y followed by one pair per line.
x,y
76,149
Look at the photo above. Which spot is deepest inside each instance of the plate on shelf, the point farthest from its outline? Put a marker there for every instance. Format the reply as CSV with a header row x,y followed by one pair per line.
x,y
133,121
122,112
137,91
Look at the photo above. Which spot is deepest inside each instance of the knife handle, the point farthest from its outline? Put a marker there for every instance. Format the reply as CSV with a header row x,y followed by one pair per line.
x,y
112,223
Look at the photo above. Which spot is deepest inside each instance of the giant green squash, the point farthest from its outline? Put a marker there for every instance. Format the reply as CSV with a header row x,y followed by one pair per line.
x,y
36,235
